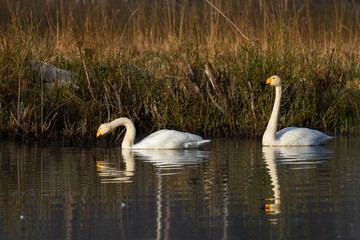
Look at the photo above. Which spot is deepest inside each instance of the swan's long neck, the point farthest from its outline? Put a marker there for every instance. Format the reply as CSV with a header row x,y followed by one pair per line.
x,y
129,138
270,133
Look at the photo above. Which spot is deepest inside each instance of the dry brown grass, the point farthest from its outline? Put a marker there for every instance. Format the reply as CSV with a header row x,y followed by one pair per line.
x,y
180,64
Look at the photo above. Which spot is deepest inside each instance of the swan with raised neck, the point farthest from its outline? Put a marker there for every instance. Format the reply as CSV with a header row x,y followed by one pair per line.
x,y
291,136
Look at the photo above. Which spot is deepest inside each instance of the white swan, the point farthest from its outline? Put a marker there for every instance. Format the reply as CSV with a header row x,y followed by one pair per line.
x,y
162,139
291,136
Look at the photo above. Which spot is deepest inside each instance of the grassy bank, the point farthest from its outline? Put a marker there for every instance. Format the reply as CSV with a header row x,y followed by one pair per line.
x,y
180,65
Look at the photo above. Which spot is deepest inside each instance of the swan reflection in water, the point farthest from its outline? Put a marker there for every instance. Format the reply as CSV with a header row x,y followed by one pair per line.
x,y
296,158
172,159
113,173
163,159
169,160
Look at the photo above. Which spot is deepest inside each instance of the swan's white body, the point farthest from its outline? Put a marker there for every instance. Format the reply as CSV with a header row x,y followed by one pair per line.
x,y
291,136
162,139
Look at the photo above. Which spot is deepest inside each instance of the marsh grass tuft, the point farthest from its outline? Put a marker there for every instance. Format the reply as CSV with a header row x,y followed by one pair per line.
x,y
180,65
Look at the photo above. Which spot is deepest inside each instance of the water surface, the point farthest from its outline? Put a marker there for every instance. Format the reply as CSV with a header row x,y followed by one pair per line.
x,y
232,189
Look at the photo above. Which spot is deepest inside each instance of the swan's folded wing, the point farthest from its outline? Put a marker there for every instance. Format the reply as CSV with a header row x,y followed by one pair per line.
x,y
171,139
301,136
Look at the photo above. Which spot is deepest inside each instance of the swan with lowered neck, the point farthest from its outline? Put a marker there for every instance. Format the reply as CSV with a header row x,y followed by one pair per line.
x,y
291,136
162,139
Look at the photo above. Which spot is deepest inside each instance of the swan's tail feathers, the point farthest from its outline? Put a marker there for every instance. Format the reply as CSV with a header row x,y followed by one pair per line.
x,y
325,139
197,144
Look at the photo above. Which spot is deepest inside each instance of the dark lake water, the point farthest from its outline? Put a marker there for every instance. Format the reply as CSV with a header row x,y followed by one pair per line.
x,y
233,189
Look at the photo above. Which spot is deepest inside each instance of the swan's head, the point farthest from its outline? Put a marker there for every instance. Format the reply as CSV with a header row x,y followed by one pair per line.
x,y
274,81
103,129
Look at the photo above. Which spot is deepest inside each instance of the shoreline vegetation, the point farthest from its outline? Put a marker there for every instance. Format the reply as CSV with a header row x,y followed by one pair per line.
x,y
67,67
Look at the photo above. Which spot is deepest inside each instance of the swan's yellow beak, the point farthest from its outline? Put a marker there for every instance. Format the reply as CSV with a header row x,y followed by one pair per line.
x,y
98,133
268,81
